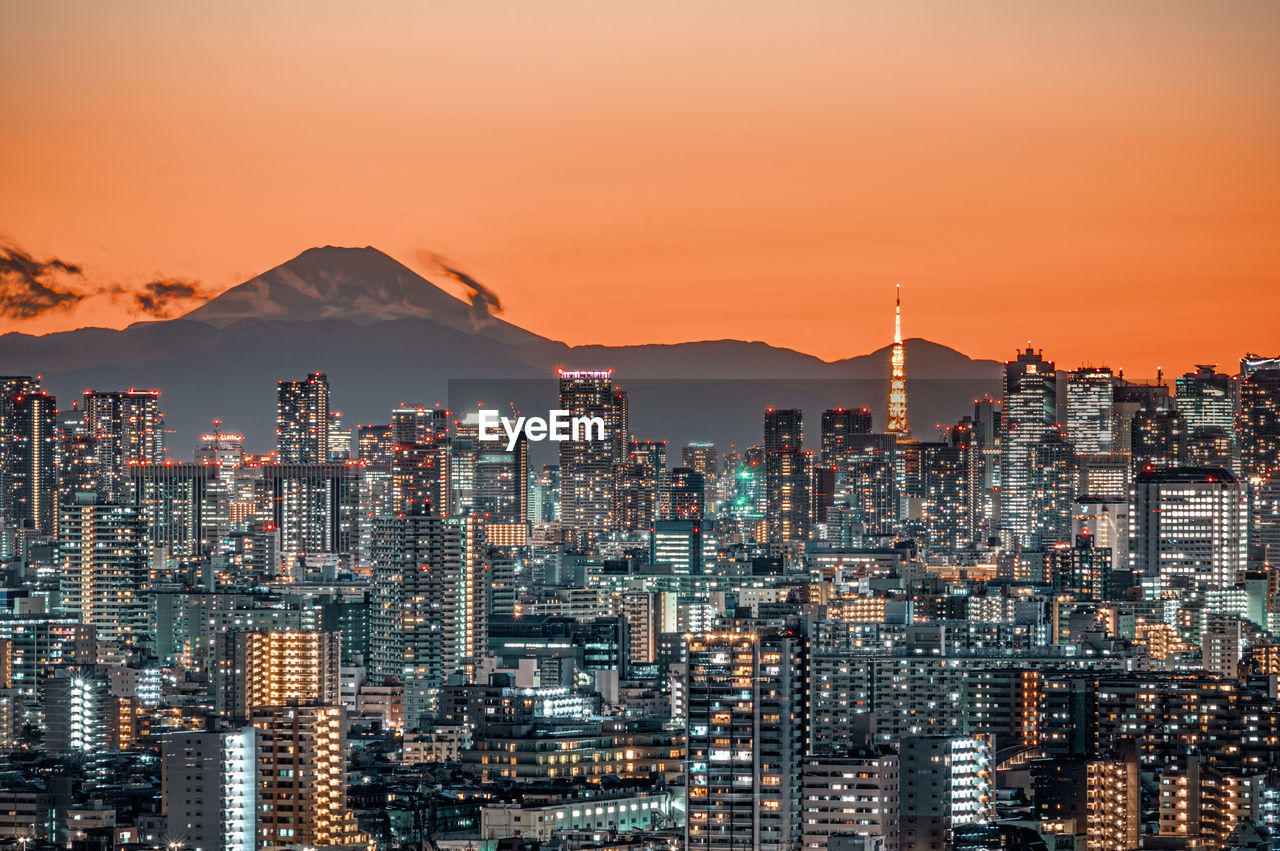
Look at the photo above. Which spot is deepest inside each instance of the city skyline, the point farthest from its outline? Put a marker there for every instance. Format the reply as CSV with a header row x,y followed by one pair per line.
x,y
1086,174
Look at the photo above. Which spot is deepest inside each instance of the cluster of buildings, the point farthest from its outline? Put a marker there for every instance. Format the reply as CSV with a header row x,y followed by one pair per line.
x,y
1055,626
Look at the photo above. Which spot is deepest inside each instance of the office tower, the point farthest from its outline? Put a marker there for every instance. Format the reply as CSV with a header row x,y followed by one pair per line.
x,y
1157,437
312,507
210,788
1030,399
635,494
1090,407
898,375
654,454
1258,420
586,466
745,714
946,784
837,425
950,475
1189,527
851,795
302,420
689,546
687,495
419,424
429,603
30,474
420,479
125,426
787,475
1204,398
302,760
501,482
1103,476
1054,483
281,666
822,493
171,499
464,452
701,458
104,567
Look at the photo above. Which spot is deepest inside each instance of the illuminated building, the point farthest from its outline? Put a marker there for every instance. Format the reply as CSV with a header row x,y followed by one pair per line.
x,y
209,789
501,483
283,666
689,546
634,502
1105,520
1157,437
648,615
1221,642
1258,420
125,426
429,603
28,456
1002,704
851,794
787,475
301,779
171,499
1053,490
1103,476
312,506
223,454
1090,403
1204,803
302,420
946,503
745,717
700,457
419,424
686,495
1113,802
1030,397
1188,527
653,453
420,479
837,425
868,481
1082,569
104,567
586,466
946,784
897,424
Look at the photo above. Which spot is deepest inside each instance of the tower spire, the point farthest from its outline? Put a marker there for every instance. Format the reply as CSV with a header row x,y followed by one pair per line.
x,y
898,375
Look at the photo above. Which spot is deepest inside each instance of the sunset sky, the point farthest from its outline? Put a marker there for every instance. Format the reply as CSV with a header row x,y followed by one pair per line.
x,y
1102,178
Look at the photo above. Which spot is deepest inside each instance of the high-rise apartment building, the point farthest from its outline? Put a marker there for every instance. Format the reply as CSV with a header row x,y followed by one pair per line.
x,y
947,784
29,460
1030,400
210,788
302,420
126,426
105,567
586,465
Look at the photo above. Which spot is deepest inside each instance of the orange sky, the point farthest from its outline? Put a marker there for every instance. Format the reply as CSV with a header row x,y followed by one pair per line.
x,y
1100,177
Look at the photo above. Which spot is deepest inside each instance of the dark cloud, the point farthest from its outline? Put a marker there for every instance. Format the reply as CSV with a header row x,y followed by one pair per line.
x,y
29,287
156,298
485,304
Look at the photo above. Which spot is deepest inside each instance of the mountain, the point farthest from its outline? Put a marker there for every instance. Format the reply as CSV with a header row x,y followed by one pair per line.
x,y
385,335
360,285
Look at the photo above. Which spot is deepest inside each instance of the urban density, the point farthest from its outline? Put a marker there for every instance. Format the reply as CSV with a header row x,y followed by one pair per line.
x,y
1053,624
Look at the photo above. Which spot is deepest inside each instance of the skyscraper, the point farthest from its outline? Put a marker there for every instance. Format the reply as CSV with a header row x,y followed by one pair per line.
x,y
837,426
30,474
302,420
700,457
125,426
1189,527
210,788
1204,400
1030,399
787,475
104,567
1258,421
586,466
745,717
1090,403
898,376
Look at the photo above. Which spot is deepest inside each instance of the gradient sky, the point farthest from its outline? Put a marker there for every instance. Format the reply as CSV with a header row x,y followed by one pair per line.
x,y
1100,177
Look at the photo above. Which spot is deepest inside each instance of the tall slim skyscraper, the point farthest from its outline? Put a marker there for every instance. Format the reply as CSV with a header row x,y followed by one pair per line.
x,y
30,476
898,376
1030,399
586,466
302,420
837,426
1258,421
788,475
1204,400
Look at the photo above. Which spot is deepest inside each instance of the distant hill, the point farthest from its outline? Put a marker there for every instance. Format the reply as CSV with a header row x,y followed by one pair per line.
x,y
385,334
